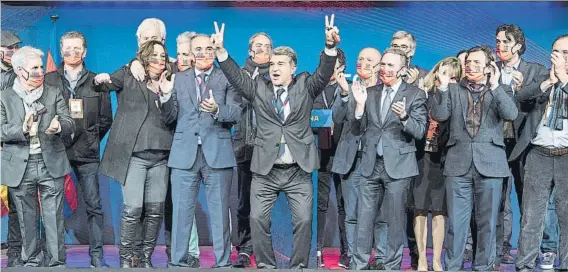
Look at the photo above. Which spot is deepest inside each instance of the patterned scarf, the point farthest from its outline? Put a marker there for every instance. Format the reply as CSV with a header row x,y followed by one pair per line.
x,y
31,103
559,109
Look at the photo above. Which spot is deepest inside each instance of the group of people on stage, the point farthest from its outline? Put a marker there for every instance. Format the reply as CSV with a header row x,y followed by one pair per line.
x,y
405,142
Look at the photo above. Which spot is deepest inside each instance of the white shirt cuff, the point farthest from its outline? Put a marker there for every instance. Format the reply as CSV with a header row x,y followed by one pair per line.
x,y
332,52
358,115
222,56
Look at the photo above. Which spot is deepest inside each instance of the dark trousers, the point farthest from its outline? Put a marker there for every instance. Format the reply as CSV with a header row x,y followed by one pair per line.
x,y
243,211
381,192
325,178
185,191
543,174
297,185
25,198
88,179
350,189
505,219
550,235
483,195
14,236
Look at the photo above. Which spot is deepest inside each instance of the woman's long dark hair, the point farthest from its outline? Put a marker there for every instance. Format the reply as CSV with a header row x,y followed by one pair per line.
x,y
145,53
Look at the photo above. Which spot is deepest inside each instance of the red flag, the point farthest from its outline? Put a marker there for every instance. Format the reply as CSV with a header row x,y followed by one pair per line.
x,y
69,191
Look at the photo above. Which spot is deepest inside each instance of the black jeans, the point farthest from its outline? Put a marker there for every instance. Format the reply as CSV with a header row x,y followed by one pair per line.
x,y
243,211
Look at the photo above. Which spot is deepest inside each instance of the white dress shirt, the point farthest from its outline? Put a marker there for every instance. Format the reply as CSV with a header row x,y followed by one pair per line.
x,y
548,137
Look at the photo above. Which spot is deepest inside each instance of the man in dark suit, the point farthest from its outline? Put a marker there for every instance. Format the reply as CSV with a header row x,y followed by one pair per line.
x,y
515,72
92,113
256,65
475,164
285,154
9,45
327,144
390,120
415,76
35,120
205,106
545,140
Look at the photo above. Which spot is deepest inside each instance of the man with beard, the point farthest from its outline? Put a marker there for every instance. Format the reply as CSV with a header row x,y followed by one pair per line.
x,y
389,120
545,140
92,113
475,164
204,106
9,45
517,73
327,144
260,47
35,122
285,154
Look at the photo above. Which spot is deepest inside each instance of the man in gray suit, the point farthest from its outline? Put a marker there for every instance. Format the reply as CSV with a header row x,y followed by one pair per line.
x,y
35,119
389,121
285,154
475,162
205,107
545,139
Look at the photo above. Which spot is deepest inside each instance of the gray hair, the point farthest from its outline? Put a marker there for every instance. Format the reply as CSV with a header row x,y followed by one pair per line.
x,y
73,35
286,51
401,34
398,52
185,37
151,23
21,57
251,39
199,35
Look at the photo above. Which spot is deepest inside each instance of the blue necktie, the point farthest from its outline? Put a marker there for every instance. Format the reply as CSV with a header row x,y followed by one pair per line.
x,y
384,113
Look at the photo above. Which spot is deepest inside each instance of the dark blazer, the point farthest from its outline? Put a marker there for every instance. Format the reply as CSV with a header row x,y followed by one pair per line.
x,y
487,148
192,123
97,115
348,145
296,129
532,72
532,94
398,140
132,97
16,147
7,79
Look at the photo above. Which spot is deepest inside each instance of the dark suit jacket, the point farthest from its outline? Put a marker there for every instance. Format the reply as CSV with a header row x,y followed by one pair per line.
x,y
487,148
532,73
296,129
97,115
16,148
532,94
398,139
325,138
192,123
132,97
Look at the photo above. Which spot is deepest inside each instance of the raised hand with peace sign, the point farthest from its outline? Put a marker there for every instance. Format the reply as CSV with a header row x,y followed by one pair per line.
x,y
331,32
217,38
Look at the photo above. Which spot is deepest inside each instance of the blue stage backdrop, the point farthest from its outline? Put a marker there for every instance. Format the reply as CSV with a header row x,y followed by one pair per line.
x,y
441,29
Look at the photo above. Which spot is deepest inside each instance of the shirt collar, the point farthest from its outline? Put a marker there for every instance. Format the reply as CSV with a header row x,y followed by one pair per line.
x,y
208,72
396,86
278,87
516,66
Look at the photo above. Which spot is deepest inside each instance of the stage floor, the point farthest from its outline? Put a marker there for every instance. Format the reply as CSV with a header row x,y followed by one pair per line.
x,y
78,257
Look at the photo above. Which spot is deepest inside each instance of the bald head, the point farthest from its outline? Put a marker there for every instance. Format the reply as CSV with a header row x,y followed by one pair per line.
x,y
367,62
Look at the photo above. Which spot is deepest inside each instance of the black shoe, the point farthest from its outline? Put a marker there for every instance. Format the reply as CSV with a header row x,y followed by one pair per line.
x,y
193,262
413,261
381,266
14,260
242,261
344,261
98,263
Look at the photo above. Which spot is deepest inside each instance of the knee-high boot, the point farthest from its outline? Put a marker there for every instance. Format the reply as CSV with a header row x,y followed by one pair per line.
x,y
154,214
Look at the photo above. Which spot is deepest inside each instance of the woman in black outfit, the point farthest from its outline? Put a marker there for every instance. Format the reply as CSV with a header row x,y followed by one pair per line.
x,y
429,191
138,147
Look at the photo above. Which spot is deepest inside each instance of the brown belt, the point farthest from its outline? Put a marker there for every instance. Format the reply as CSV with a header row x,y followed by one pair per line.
x,y
551,151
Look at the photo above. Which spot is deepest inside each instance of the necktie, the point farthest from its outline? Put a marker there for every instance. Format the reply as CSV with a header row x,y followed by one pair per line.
x,y
203,86
384,113
386,104
279,104
279,107
476,88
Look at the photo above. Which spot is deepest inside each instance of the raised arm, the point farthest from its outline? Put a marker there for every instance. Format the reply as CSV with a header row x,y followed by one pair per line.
x,y
531,90
104,82
65,120
418,116
357,115
442,108
238,78
230,112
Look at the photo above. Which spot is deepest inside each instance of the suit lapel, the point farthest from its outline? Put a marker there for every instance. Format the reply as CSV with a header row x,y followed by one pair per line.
x,y
523,69
19,105
191,88
142,87
270,99
293,102
43,100
378,94
214,78
487,101
397,97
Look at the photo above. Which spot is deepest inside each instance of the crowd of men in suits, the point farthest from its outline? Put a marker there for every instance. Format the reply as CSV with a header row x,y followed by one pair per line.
x,y
172,132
